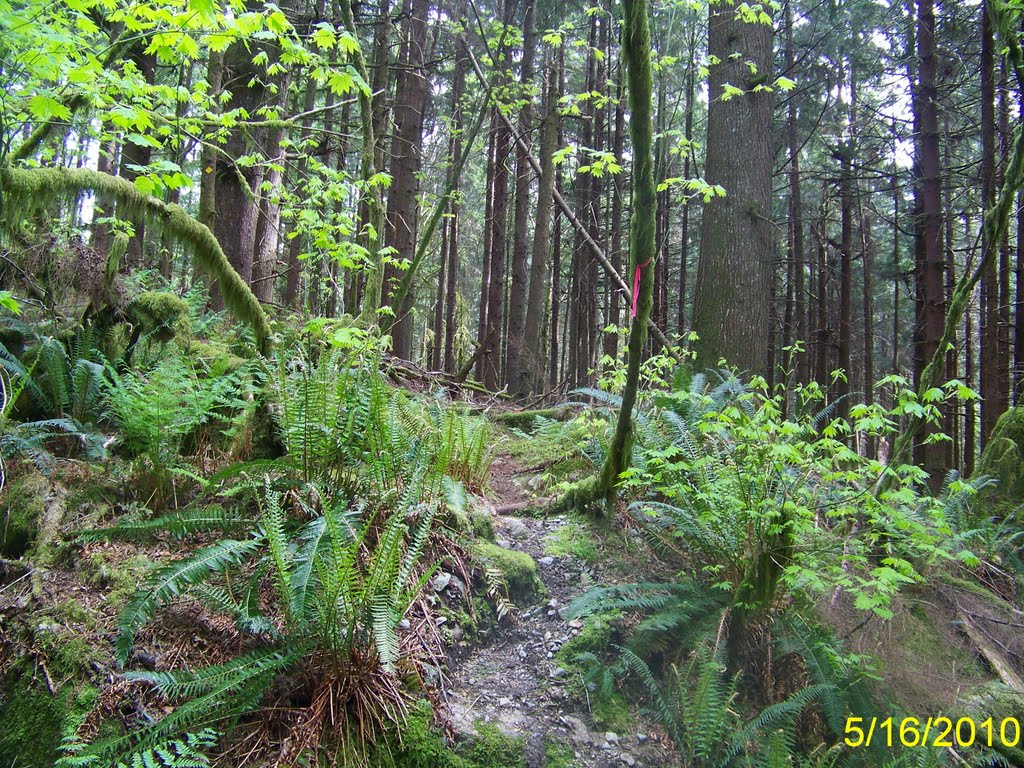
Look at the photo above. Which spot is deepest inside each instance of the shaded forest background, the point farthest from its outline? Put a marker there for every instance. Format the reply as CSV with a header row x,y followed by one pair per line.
x,y
463,172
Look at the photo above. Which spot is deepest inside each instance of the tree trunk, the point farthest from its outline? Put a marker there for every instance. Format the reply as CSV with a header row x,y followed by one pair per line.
x,y
928,224
730,306
636,50
796,224
406,148
517,352
989,377
532,362
611,340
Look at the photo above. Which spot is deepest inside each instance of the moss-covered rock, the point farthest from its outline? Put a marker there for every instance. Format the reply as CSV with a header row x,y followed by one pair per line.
x,y
482,524
474,521
1003,457
216,358
162,313
517,569
23,504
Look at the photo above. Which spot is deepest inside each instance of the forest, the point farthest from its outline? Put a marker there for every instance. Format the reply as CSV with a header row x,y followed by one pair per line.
x,y
511,383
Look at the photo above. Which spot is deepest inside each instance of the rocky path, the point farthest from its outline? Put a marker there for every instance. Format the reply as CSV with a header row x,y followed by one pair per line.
x,y
514,679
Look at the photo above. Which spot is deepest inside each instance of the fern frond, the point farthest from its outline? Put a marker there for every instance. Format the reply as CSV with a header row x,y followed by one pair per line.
x,y
179,524
172,579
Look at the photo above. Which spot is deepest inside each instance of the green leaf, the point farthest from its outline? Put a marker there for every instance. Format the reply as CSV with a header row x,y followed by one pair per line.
x,y
45,107
145,185
204,8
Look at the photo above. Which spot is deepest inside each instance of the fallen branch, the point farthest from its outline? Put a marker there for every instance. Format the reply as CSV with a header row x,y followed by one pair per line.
x,y
519,506
996,660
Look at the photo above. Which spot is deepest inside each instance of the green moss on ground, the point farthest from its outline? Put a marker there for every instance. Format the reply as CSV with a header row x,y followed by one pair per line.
x,y
517,569
476,522
597,636
33,719
558,755
24,502
573,540
492,749
420,745
482,524
217,358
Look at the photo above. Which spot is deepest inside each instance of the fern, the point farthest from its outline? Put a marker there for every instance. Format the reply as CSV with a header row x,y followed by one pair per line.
x,y
189,751
171,580
180,524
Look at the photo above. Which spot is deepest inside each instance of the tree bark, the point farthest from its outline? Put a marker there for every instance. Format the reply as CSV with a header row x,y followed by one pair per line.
x,y
406,148
928,225
531,361
517,351
731,297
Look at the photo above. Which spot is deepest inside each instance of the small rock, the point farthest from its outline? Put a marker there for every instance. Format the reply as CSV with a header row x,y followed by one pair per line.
x,y
516,528
552,613
642,738
146,660
441,581
627,758
404,624
431,675
441,621
457,634
553,602
547,560
576,623
611,737
559,672
504,702
547,635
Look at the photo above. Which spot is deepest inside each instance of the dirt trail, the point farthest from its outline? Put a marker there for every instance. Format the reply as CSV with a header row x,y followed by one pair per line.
x,y
513,679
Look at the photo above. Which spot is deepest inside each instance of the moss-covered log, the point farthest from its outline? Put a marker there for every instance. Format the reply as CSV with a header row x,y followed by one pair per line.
x,y
25,191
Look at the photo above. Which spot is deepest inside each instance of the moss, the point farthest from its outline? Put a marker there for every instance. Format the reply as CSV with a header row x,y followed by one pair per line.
x,y
419,745
611,713
73,612
493,749
24,503
517,569
33,719
482,525
558,755
573,540
122,578
217,358
161,313
473,521
29,189
1003,457
597,636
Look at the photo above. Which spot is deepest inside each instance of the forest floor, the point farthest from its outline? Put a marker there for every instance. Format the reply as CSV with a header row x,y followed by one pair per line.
x,y
515,679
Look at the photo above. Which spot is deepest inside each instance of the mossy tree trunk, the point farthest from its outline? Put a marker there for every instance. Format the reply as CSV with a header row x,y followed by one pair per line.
x,y
636,51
